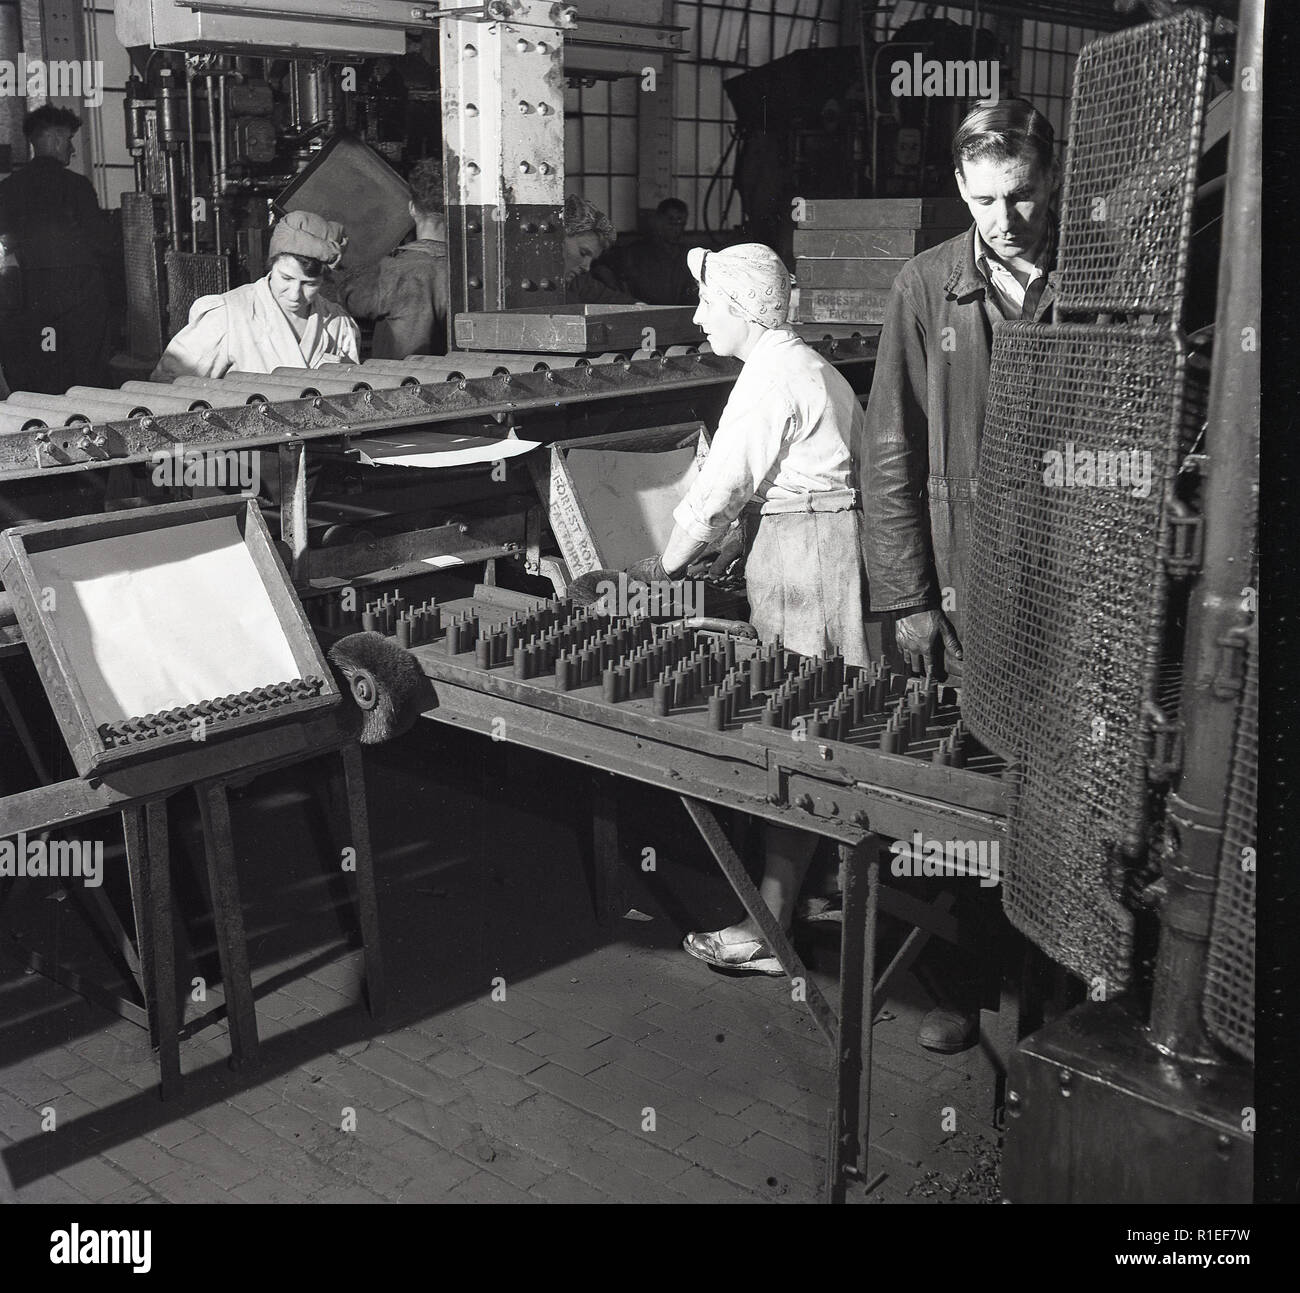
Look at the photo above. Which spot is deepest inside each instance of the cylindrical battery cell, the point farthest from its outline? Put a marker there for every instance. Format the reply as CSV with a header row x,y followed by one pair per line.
x,y
521,662
368,622
609,685
662,702
404,632
717,713
917,722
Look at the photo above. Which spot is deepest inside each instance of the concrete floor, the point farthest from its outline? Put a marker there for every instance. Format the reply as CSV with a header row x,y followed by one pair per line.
x,y
543,1096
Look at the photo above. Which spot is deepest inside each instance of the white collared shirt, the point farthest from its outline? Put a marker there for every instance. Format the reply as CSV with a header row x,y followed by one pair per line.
x,y
1008,290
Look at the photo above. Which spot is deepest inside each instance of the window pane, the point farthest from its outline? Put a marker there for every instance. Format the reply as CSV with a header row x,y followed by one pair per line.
x,y
623,95
623,152
686,148
623,204
595,144
686,77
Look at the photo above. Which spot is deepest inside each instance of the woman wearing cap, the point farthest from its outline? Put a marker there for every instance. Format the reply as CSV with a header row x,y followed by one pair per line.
x,y
785,454
588,235
280,320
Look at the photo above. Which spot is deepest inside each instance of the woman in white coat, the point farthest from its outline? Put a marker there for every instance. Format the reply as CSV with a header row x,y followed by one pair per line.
x,y
281,320
786,453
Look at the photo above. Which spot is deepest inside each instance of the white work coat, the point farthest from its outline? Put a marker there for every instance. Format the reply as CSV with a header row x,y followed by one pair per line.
x,y
784,454
245,329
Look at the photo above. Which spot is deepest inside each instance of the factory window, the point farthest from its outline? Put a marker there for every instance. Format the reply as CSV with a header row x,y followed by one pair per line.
x,y
1048,53
721,40
1042,65
600,151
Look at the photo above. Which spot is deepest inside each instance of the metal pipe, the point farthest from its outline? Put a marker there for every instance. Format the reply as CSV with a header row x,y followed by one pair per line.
x,y
174,197
214,157
1211,683
193,177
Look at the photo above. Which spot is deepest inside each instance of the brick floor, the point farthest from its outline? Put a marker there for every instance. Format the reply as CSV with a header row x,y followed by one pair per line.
x,y
539,1097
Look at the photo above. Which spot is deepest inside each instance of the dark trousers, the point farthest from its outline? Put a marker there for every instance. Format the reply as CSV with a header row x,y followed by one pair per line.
x,y
61,338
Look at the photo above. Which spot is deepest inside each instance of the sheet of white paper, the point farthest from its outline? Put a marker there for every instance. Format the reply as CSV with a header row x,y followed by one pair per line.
x,y
629,499
166,618
437,449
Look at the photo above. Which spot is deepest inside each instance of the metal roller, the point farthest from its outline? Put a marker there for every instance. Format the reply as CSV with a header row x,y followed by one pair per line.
x,y
360,379
253,387
133,402
71,409
14,417
319,385
159,395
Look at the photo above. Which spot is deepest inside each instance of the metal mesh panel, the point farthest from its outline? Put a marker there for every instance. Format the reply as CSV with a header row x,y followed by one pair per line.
x,y
142,263
1130,170
1229,1001
190,275
1065,617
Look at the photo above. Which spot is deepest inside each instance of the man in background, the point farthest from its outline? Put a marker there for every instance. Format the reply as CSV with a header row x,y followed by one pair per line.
x,y
407,293
54,329
654,269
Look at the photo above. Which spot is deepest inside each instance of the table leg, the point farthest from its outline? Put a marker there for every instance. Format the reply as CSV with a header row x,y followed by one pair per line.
x,y
761,914
354,785
149,865
228,918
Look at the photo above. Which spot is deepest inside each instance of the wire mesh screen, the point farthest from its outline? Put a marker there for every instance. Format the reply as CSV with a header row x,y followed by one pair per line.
x,y
190,275
142,261
1229,1000
1130,171
1065,617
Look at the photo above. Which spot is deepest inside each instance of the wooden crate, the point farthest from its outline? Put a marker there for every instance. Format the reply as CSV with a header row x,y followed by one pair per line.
x,y
865,244
828,305
578,329
883,213
158,602
848,274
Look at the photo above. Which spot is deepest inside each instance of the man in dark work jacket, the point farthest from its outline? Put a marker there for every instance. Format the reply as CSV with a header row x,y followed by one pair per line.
x,y
407,293
56,336
925,417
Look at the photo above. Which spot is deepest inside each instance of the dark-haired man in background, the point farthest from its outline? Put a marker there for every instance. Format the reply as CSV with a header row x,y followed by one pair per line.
x,y
407,293
928,396
56,335
654,269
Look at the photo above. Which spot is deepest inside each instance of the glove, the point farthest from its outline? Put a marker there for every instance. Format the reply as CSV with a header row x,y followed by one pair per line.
x,y
649,570
719,565
919,633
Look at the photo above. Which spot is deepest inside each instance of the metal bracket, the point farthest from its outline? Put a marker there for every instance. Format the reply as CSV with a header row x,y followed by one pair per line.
x,y
1230,672
1186,540
1166,751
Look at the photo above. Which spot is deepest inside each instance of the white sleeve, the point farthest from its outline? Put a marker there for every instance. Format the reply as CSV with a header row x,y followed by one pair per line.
x,y
751,434
202,347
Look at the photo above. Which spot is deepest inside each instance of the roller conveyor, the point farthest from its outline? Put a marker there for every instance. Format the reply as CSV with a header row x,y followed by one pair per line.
x,y
39,434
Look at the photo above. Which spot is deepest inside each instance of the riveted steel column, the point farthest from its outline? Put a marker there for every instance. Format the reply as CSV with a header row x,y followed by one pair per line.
x,y
503,146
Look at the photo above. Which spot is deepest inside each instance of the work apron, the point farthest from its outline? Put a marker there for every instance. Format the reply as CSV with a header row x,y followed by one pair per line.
x,y
805,576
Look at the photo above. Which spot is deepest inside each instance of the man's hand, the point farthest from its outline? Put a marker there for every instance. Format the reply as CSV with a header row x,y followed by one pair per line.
x,y
920,632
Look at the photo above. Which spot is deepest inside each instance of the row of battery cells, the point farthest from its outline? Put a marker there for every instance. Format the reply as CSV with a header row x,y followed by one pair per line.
x,y
87,405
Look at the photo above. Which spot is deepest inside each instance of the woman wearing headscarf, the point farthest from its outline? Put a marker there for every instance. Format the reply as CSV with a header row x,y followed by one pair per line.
x,y
588,234
281,320
785,455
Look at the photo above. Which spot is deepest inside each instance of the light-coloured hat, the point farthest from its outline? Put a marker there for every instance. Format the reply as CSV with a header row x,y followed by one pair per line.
x,y
750,275
304,233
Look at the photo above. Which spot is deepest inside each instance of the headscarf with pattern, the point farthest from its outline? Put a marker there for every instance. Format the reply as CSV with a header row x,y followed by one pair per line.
x,y
581,216
750,275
